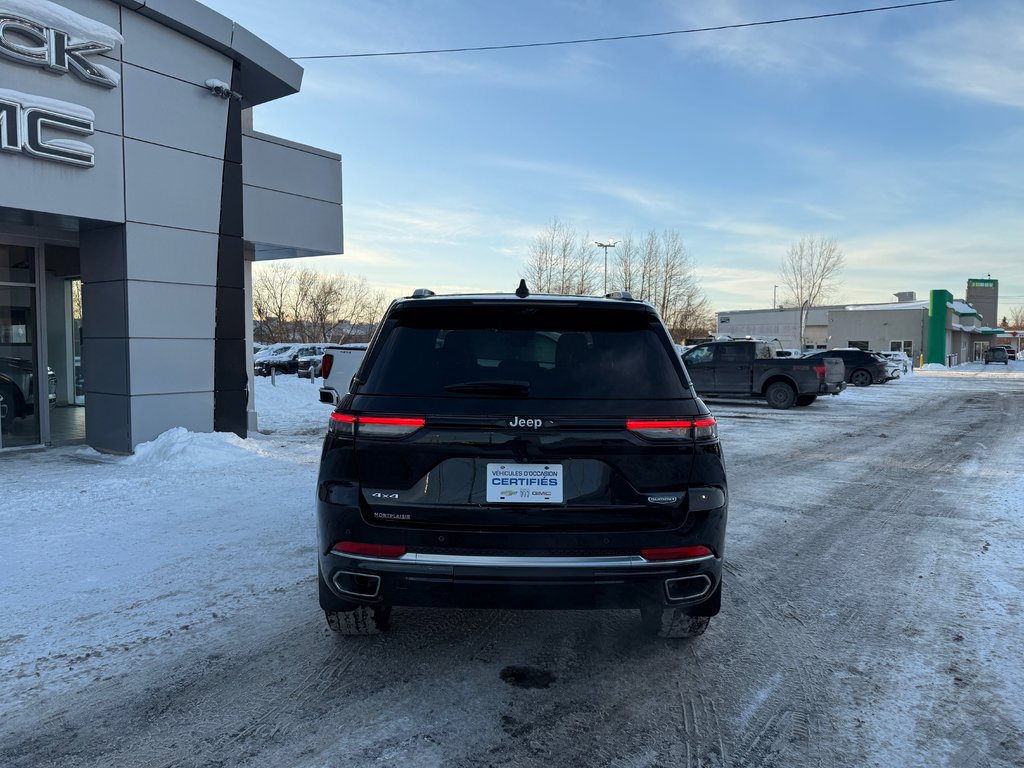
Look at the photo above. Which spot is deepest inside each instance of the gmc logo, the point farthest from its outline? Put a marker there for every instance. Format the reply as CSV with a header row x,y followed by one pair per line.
x,y
29,42
25,127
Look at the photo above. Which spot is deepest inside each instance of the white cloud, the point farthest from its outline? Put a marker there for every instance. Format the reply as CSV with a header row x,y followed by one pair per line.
x,y
980,56
811,48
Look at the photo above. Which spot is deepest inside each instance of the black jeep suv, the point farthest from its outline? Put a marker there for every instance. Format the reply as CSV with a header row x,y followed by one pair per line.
x,y
516,451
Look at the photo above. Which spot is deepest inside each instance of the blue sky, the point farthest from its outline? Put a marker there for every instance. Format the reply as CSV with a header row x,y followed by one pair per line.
x,y
899,134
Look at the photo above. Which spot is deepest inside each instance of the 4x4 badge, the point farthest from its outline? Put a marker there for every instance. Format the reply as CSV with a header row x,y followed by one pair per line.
x,y
519,421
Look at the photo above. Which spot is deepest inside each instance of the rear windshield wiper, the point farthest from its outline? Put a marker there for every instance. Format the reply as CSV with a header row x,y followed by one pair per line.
x,y
497,388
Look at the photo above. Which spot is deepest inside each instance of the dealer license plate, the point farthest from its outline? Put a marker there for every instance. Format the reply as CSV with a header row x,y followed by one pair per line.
x,y
524,483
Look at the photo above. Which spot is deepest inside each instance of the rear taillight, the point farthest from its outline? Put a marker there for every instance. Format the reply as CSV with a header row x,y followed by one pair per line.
x,y
820,370
676,553
370,550
325,364
674,429
375,426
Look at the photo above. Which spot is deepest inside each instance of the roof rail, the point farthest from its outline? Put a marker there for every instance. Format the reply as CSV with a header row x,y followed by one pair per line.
x,y
624,295
422,293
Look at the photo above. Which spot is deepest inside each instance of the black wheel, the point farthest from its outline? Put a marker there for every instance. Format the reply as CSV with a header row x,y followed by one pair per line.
x,y
780,395
860,378
347,618
804,400
658,621
361,620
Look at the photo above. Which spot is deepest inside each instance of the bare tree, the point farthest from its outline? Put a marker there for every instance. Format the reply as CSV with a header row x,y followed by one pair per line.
x,y
271,301
810,270
561,261
292,304
809,273
658,269
626,265
1016,317
655,268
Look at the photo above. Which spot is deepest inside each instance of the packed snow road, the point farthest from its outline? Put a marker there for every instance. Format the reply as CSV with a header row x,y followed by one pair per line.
x,y
160,610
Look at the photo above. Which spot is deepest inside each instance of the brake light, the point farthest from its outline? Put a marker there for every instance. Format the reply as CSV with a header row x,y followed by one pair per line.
x,y
370,550
674,429
820,370
325,364
675,553
375,426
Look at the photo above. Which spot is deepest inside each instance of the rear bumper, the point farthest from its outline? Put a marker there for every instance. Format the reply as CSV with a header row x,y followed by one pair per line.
x,y
831,388
523,571
563,583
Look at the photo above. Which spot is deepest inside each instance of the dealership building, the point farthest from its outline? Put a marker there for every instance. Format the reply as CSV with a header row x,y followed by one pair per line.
x,y
135,199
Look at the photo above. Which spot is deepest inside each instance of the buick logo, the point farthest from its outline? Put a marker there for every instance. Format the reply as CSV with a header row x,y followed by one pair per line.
x,y
520,422
28,41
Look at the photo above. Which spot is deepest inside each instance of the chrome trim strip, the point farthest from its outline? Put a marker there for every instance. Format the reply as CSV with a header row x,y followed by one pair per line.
x,y
489,561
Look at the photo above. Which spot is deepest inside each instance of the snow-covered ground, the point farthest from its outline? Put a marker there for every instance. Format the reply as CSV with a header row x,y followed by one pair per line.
x,y
160,609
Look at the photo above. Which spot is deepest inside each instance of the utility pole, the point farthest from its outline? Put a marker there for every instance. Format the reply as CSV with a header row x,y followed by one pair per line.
x,y
606,246
775,293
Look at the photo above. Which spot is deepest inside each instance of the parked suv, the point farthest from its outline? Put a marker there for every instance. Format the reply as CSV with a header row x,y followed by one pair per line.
x,y
516,451
862,368
285,360
996,355
900,358
310,359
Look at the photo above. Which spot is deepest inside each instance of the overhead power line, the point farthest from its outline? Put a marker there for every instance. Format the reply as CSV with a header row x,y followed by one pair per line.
x,y
623,37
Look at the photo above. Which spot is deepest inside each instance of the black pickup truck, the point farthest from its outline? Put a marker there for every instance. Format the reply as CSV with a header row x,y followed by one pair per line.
x,y
737,368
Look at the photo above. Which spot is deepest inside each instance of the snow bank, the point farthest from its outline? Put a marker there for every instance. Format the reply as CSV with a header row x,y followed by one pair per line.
x,y
193,449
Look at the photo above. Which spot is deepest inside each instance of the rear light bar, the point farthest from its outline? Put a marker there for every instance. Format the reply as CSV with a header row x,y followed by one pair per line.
x,y
674,429
676,553
375,426
326,363
370,550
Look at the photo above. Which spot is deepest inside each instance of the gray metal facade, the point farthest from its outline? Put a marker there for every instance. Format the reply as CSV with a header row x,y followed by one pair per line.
x,y
180,190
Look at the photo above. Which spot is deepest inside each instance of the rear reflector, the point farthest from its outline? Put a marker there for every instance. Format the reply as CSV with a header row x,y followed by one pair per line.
x,y
674,429
375,426
675,553
370,550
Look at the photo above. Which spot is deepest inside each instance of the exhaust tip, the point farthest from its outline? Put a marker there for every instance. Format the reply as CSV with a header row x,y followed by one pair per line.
x,y
363,585
688,588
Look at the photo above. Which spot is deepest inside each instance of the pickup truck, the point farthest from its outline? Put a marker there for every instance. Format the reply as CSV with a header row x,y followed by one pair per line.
x,y
738,368
338,365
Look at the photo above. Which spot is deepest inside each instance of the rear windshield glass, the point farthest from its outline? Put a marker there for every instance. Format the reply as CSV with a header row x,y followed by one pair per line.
x,y
550,352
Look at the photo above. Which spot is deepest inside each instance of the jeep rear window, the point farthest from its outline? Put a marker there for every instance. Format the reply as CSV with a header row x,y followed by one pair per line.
x,y
549,352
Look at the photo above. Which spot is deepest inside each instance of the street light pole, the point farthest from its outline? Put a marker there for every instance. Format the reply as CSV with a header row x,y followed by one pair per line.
x,y
606,246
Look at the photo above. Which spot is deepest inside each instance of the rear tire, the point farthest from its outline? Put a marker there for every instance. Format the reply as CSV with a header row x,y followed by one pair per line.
x,y
361,620
672,622
780,395
860,378
347,618
804,400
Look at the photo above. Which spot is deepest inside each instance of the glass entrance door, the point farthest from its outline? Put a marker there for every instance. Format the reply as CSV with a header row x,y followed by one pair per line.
x,y
22,396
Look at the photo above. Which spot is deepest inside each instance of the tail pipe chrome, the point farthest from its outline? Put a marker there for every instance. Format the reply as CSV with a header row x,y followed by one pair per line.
x,y
688,588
